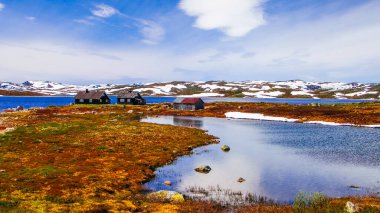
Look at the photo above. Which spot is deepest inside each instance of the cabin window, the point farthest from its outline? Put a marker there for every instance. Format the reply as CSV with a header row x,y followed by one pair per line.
x,y
128,100
90,100
101,100
81,100
122,100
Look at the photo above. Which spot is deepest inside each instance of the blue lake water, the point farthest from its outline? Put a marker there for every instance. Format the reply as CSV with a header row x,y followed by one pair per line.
x,y
277,159
28,102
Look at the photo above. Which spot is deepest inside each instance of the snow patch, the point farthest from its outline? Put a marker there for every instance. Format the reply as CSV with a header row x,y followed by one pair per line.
x,y
257,116
203,95
328,123
301,93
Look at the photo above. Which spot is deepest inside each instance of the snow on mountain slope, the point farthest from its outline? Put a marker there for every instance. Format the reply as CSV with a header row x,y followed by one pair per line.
x,y
256,89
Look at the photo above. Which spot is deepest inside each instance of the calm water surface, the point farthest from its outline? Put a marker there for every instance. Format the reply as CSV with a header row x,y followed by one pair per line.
x,y
7,102
277,159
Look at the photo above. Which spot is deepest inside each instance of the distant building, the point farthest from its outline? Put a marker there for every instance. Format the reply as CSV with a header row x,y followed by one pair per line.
x,y
130,97
188,103
92,97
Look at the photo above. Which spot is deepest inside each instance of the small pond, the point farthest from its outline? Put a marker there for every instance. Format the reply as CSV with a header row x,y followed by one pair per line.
x,y
276,159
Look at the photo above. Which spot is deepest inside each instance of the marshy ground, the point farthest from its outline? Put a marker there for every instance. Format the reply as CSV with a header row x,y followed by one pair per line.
x,y
96,158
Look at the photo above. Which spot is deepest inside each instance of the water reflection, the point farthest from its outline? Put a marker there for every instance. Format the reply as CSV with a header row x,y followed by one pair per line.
x,y
188,122
278,159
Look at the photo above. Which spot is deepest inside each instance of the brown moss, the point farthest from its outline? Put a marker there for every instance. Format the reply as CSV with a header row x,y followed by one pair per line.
x,y
95,158
19,93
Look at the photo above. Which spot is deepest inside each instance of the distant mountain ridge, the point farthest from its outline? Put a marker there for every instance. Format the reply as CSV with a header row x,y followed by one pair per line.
x,y
256,89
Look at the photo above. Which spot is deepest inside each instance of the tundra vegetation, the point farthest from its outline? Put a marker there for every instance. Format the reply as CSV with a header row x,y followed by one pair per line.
x,y
96,158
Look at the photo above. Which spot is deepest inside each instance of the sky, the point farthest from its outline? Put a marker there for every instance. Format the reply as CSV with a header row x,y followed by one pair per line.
x,y
129,41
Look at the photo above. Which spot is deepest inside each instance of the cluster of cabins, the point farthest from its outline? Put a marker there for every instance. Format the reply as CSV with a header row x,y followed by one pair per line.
x,y
133,98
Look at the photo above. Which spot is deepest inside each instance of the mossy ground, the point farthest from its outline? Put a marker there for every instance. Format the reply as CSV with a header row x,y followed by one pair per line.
x,y
95,158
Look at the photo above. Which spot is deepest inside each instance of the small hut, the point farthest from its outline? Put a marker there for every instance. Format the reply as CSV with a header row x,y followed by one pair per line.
x,y
130,97
188,103
92,97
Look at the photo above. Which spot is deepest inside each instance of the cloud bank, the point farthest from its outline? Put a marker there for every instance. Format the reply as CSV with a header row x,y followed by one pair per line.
x,y
234,18
2,6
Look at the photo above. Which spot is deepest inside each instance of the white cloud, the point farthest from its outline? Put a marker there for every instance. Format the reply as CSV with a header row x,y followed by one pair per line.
x,y
104,11
339,46
30,18
235,18
2,6
48,61
151,31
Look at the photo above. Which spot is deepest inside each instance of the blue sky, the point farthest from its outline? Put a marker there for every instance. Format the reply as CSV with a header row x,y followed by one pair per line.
x,y
127,41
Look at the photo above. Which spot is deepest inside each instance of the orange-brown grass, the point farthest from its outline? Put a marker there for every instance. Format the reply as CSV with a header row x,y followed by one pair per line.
x,y
95,158
64,158
359,114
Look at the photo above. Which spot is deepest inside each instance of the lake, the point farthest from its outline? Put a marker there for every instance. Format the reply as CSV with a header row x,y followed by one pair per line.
x,y
28,102
277,160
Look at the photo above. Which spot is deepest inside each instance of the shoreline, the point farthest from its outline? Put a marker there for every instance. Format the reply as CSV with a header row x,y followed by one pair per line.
x,y
261,117
219,97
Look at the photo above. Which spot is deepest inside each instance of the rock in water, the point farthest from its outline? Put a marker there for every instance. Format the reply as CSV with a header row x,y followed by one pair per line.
x,y
203,169
225,148
168,183
351,208
241,180
167,196
19,108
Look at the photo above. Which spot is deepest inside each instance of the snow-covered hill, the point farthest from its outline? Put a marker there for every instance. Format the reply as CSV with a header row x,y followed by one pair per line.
x,y
257,89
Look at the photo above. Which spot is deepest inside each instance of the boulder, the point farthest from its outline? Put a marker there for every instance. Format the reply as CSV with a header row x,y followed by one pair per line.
x,y
203,169
351,208
225,148
130,111
19,108
166,196
168,183
241,180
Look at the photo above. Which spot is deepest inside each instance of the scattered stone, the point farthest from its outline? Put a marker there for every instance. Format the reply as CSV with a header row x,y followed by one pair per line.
x,y
240,107
351,208
167,196
2,170
203,169
315,104
189,148
225,148
130,111
354,187
169,183
19,108
241,180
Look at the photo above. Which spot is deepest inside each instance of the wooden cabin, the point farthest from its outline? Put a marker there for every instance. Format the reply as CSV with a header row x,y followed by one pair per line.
x,y
188,103
92,97
130,97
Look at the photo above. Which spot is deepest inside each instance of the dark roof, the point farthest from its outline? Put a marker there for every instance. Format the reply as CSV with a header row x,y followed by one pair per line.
x,y
90,95
187,100
129,94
